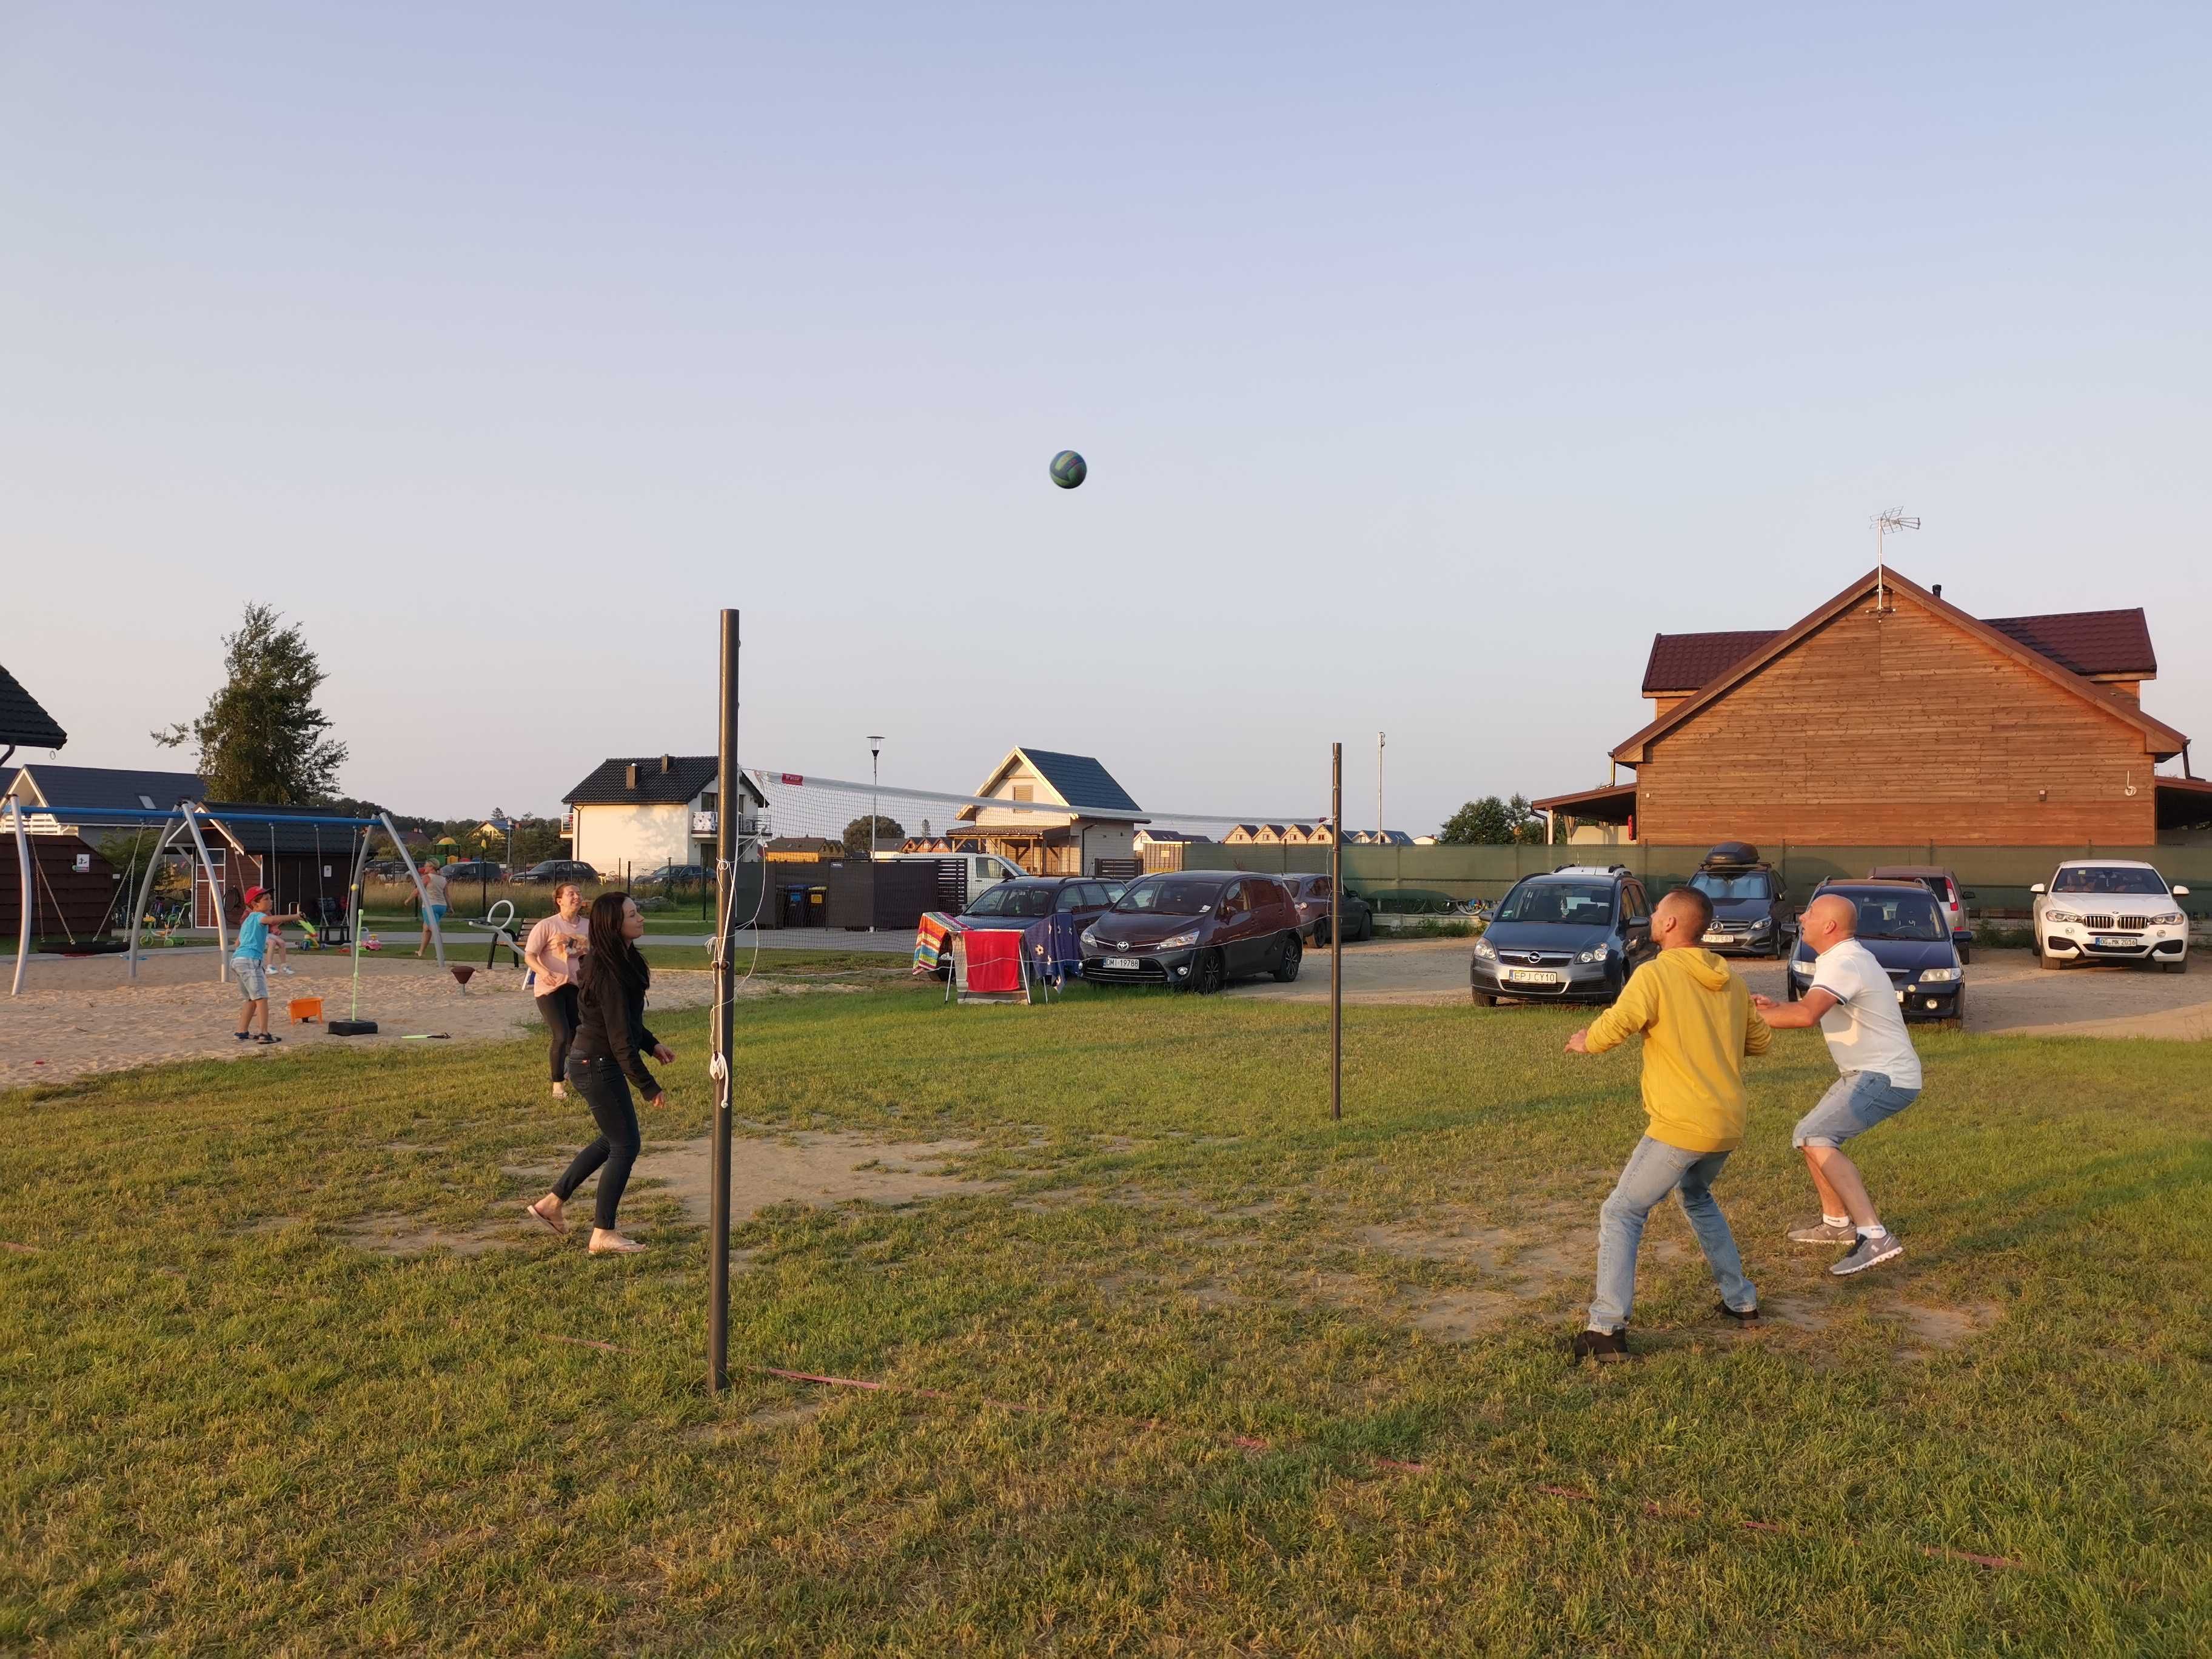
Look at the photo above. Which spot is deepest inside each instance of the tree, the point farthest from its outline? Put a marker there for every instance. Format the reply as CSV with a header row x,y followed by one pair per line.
x,y
261,739
889,832
1491,821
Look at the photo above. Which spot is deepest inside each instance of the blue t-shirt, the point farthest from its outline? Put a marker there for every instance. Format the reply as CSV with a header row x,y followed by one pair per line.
x,y
253,936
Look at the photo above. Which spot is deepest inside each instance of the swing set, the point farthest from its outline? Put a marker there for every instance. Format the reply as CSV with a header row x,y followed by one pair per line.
x,y
190,819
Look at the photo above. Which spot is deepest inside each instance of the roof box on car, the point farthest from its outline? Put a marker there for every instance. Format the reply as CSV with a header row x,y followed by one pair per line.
x,y
1733,852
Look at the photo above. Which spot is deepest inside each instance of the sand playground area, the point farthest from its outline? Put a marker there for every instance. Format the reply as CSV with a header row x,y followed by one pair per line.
x,y
85,1014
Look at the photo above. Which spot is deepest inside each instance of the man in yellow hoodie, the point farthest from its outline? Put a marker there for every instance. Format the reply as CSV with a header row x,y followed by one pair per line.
x,y
1698,1025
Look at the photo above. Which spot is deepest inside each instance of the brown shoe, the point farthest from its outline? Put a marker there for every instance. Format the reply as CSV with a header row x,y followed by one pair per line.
x,y
1607,1347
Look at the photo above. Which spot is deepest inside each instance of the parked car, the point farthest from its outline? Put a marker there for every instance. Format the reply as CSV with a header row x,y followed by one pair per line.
x,y
473,869
1311,894
1752,913
559,870
1029,900
1196,930
386,869
2110,910
1910,936
1949,896
1573,935
675,875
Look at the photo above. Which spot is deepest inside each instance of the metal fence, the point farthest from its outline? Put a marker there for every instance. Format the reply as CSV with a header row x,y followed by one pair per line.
x,y
1996,878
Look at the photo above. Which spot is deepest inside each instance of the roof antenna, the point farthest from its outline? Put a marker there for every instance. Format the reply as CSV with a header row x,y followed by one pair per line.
x,y
1887,523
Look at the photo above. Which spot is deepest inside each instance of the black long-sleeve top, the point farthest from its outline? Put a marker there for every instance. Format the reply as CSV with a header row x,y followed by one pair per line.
x,y
615,1025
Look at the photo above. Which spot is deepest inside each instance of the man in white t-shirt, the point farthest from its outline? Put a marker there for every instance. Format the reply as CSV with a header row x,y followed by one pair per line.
x,y
1855,1005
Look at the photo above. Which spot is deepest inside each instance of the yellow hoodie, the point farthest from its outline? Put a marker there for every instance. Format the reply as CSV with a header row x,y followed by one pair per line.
x,y
1698,1025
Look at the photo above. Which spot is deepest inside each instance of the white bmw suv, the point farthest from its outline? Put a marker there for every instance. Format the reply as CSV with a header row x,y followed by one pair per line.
x,y
2110,910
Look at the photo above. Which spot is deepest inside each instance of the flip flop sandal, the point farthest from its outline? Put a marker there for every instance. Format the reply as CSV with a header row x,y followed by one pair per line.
x,y
532,1209
265,1037
628,1247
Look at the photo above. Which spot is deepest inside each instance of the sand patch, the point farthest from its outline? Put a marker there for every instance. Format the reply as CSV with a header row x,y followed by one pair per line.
x,y
781,1416
1945,1326
815,1168
388,1233
1458,1315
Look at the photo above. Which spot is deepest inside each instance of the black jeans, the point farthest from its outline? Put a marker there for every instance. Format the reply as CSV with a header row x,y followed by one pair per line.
x,y
557,1008
606,1091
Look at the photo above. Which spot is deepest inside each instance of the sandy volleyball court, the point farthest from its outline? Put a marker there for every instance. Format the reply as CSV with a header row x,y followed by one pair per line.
x,y
87,1015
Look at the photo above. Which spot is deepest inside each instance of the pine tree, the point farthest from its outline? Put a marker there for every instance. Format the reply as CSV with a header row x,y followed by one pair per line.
x,y
261,739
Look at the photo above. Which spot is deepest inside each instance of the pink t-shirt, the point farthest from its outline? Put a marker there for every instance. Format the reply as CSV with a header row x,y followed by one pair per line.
x,y
557,966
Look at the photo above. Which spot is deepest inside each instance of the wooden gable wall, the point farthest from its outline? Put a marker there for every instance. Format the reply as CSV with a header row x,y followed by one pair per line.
x,y
1898,729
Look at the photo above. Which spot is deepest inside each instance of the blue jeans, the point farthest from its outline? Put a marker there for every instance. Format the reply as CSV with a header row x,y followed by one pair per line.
x,y
1855,1103
1654,1170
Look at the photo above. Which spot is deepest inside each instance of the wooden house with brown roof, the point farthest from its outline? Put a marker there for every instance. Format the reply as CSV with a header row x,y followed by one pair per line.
x,y
1888,716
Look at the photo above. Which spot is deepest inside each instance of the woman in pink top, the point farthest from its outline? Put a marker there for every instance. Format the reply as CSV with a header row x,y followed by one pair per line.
x,y
554,952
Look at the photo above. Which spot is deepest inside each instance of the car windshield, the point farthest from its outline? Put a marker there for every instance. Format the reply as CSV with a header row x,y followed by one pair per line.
x,y
1575,904
1007,899
1901,915
1168,896
2104,878
1752,884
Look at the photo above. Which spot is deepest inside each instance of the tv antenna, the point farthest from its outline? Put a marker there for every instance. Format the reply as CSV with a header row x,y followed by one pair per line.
x,y
1887,522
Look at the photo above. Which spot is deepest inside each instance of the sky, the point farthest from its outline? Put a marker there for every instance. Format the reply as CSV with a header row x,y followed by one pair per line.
x,y
1427,359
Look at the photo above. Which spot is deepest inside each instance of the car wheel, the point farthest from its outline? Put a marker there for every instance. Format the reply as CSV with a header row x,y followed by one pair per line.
x,y
2045,959
1209,972
1789,985
1958,1020
2178,965
1286,965
1321,934
1484,999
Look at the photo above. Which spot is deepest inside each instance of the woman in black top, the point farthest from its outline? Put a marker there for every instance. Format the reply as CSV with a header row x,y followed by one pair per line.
x,y
605,1059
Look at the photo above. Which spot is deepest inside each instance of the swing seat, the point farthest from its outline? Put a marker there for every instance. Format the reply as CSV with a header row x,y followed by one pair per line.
x,y
80,947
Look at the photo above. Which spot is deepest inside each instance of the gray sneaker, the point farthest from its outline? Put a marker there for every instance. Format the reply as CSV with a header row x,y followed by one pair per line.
x,y
1822,1233
1873,1248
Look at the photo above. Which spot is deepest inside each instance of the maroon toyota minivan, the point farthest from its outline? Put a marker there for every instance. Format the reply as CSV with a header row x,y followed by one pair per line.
x,y
1195,930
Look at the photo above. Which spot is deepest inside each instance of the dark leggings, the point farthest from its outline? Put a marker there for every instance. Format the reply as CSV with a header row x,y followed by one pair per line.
x,y
557,1008
606,1091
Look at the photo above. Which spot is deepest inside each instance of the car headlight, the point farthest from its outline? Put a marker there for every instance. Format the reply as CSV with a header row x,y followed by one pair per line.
x,y
1802,969
1484,949
1938,975
2061,915
1595,953
2171,918
1764,924
1178,941
1090,941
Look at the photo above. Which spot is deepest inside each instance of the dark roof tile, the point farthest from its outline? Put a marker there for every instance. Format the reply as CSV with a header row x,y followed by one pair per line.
x,y
686,778
21,720
1684,662
1081,781
2086,642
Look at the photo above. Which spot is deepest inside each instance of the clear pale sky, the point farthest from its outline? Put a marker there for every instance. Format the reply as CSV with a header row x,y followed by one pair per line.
x,y
500,345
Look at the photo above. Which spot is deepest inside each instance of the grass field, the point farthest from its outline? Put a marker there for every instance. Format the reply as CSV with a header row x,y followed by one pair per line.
x,y
1224,1321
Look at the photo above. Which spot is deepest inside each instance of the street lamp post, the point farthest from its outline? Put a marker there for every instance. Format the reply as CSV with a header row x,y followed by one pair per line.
x,y
875,753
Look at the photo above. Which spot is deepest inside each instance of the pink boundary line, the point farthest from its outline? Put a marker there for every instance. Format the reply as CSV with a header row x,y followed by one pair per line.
x,y
1249,1443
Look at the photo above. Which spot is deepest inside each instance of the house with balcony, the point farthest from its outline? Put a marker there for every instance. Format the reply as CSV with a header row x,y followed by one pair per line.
x,y
1066,812
637,814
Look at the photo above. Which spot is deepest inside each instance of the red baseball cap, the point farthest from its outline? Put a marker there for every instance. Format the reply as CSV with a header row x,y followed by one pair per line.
x,y
255,895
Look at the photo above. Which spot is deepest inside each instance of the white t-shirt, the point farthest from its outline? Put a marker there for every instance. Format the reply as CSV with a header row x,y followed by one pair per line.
x,y
1866,1028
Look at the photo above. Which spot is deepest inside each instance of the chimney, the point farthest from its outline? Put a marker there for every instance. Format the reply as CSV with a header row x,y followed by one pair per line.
x,y
629,776
668,763
1937,590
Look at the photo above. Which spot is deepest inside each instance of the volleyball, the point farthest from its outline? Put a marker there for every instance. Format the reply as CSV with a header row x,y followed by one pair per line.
x,y
1068,470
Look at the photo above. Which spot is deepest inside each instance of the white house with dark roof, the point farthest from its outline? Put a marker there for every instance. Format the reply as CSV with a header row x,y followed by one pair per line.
x,y
1100,820
646,813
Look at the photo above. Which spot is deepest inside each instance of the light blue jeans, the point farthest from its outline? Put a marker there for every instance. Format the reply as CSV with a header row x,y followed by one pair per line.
x,y
1654,1170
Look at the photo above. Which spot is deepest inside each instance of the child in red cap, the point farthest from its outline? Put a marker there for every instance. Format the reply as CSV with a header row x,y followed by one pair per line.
x,y
249,961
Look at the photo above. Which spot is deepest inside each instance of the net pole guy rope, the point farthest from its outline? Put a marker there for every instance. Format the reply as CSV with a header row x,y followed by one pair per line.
x,y
1335,932
730,790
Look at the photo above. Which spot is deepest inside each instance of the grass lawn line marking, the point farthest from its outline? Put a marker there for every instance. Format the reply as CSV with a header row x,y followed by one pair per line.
x,y
1935,1551
587,1342
21,1249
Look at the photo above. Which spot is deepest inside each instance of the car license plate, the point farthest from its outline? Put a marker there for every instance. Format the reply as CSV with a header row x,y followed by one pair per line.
x,y
1123,964
1900,996
2115,941
1531,976
1716,939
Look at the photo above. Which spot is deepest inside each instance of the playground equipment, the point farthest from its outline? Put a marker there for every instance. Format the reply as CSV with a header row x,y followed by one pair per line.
x,y
189,818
